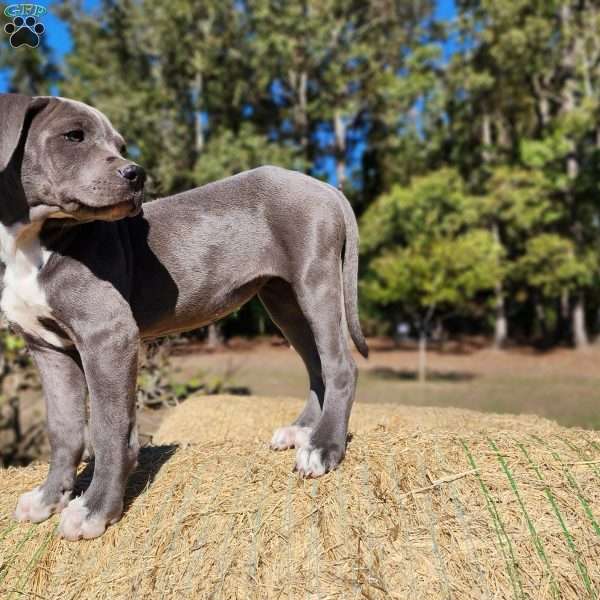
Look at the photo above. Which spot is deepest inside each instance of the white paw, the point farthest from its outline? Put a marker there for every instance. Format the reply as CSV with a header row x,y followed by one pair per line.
x,y
309,462
75,522
31,506
290,437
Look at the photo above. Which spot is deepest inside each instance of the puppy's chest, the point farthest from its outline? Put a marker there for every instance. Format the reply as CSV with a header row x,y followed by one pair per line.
x,y
23,300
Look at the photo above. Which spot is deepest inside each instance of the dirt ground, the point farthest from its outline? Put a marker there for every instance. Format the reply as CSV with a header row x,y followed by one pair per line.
x,y
562,384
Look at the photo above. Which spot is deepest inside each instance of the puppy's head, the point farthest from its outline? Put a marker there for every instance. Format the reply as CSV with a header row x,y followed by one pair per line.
x,y
63,159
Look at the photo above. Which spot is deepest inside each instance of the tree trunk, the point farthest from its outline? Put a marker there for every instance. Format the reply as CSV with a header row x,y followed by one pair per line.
x,y
540,314
569,105
562,331
501,323
486,138
340,148
580,338
215,336
597,328
423,355
299,85
542,102
303,111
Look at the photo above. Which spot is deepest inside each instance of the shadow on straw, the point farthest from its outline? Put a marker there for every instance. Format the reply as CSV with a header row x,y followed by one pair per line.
x,y
150,461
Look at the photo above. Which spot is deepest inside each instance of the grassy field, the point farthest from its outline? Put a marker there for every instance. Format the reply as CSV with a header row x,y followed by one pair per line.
x,y
563,385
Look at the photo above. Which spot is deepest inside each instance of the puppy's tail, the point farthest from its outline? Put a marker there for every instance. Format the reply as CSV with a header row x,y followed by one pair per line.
x,y
350,277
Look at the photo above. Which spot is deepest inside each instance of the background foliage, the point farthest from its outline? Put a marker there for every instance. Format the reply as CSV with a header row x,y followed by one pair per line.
x,y
468,147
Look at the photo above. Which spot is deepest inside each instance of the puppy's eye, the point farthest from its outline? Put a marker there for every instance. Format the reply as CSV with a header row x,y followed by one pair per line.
x,y
76,135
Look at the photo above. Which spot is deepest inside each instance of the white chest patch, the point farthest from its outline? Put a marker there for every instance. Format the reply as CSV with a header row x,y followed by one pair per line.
x,y
23,301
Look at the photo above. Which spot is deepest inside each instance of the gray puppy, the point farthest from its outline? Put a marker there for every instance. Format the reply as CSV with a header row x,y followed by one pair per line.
x,y
87,276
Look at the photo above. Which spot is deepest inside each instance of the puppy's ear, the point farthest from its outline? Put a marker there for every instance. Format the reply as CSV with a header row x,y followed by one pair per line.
x,y
15,110
16,115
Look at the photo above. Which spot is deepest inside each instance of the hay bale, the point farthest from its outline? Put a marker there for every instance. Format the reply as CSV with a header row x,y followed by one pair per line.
x,y
430,503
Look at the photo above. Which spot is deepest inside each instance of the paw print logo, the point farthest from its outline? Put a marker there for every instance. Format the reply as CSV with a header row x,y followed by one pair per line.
x,y
25,32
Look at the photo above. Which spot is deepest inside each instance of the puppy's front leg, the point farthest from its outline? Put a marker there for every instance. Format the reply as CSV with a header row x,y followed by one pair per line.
x,y
64,392
109,360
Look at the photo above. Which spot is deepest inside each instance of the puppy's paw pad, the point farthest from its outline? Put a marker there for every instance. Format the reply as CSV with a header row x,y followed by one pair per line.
x,y
290,437
32,507
76,522
315,462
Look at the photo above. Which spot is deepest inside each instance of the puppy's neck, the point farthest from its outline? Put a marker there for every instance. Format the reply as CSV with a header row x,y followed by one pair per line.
x,y
23,300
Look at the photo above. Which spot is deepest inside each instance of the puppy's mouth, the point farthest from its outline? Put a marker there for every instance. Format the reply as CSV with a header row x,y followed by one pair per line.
x,y
81,212
128,208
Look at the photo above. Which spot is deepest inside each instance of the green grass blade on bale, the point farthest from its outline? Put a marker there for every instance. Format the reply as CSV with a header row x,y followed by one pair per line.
x,y
503,538
346,529
5,567
189,495
153,528
260,518
464,519
537,541
568,537
371,562
592,443
573,483
347,532
398,531
433,523
314,541
200,533
289,528
592,466
8,529
224,559
35,560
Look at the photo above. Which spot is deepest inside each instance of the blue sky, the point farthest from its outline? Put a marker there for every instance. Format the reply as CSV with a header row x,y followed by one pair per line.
x,y
57,33
445,9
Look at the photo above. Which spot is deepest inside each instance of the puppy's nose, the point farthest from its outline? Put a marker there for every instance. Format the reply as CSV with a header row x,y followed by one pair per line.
x,y
134,174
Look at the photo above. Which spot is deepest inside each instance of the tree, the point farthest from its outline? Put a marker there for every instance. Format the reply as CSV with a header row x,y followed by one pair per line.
x,y
428,254
550,266
518,204
227,153
365,93
524,84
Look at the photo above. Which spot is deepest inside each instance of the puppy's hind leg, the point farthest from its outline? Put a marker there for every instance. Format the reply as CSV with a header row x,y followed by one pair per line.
x,y
65,392
280,302
321,302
